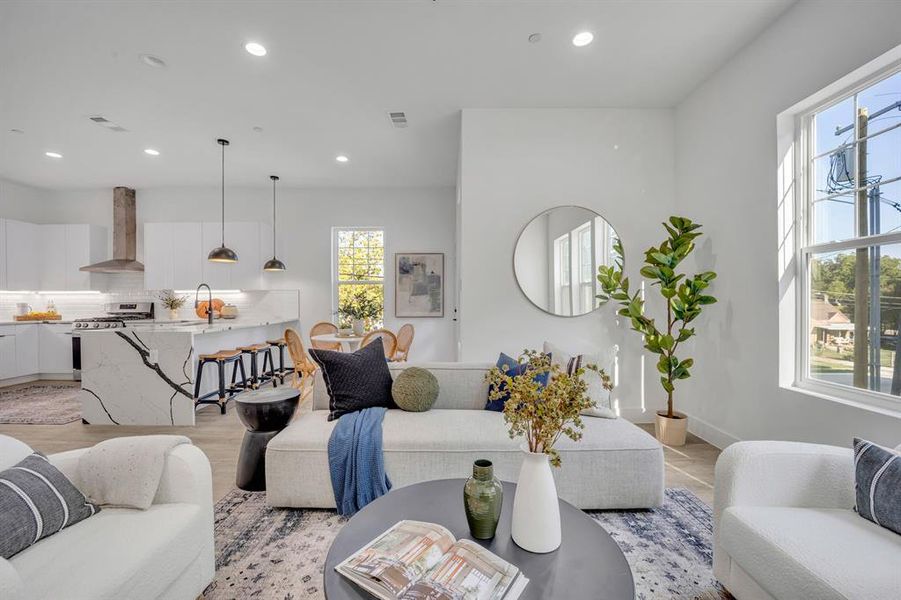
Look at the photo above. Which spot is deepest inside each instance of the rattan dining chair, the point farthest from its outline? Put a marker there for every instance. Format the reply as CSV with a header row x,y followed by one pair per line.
x,y
323,328
404,341
389,341
304,367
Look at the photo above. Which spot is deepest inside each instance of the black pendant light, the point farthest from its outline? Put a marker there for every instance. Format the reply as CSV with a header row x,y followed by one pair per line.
x,y
273,264
223,254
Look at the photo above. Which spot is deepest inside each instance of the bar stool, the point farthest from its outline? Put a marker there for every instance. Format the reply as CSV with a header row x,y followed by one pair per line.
x,y
221,359
258,377
282,371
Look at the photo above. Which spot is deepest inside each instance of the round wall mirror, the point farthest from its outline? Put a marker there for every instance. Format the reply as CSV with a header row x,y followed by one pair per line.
x,y
557,257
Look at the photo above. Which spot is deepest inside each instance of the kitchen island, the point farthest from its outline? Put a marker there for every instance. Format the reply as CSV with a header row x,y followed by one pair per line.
x,y
143,374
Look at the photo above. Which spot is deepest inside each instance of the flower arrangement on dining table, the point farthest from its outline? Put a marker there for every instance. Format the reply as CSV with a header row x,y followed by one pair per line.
x,y
543,412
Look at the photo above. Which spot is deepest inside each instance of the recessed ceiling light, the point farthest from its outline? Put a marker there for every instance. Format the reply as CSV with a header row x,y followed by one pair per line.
x,y
255,48
153,61
151,152
341,158
582,39
534,38
53,154
18,131
258,129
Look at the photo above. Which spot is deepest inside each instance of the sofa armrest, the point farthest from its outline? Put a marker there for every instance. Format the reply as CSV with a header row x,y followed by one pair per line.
x,y
67,463
186,478
11,586
783,474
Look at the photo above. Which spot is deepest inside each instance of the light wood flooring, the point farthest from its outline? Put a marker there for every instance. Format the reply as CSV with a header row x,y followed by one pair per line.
x,y
219,436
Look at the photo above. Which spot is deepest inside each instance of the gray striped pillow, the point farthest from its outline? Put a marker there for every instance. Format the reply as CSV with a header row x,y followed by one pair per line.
x,y
36,501
877,484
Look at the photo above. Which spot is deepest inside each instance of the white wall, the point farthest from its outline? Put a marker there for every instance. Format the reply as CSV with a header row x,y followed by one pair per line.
x,y
516,163
21,202
726,165
415,220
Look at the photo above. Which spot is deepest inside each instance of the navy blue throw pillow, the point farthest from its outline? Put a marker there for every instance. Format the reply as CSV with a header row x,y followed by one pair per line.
x,y
877,484
514,369
357,380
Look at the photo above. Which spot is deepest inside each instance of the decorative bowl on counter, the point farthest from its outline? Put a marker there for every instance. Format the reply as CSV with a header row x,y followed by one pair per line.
x,y
228,311
217,308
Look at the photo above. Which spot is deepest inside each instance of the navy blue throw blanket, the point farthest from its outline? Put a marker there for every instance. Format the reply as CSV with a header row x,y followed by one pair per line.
x,y
356,462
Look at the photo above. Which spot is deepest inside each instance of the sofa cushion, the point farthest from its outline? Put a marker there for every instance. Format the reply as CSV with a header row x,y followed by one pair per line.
x,y
812,553
37,501
355,380
877,484
600,396
513,368
627,462
460,385
119,553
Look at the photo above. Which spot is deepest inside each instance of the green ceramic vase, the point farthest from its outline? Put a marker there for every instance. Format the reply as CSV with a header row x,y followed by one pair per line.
x,y
483,496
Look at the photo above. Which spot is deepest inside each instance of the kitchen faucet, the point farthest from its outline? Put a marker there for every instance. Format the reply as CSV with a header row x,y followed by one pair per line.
x,y
209,308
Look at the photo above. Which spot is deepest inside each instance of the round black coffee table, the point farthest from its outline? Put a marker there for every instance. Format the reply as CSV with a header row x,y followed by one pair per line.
x,y
264,413
587,565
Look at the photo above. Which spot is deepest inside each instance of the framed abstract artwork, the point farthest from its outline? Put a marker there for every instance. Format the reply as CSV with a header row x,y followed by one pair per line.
x,y
419,284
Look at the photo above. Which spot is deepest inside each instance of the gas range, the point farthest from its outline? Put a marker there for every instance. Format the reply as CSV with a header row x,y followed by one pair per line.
x,y
118,315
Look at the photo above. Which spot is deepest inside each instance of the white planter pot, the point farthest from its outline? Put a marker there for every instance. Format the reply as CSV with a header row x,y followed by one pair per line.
x,y
536,509
173,314
358,326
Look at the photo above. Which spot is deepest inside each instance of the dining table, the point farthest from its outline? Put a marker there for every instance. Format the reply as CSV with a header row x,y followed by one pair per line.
x,y
349,343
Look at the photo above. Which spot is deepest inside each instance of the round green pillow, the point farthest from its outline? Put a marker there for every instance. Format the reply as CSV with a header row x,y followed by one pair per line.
x,y
415,389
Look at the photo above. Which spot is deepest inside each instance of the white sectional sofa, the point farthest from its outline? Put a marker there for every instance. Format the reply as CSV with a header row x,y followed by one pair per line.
x,y
785,527
163,552
615,465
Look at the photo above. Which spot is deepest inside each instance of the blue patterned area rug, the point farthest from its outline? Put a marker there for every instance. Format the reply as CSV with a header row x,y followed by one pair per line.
x,y
278,554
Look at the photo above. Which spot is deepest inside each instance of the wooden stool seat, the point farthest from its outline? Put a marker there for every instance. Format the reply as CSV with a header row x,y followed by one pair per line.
x,y
278,342
221,355
253,348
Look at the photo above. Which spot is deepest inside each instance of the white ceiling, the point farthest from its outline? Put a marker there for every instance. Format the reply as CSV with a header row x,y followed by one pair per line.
x,y
333,71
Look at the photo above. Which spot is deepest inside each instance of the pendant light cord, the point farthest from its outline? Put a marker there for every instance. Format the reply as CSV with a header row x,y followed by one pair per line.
x,y
223,195
273,216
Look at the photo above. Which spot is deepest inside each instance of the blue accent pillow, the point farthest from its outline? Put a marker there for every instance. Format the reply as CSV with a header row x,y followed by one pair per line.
x,y
877,484
514,369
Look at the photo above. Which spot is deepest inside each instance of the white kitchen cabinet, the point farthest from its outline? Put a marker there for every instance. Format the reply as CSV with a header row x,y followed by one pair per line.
x,y
55,341
173,255
27,349
3,285
23,260
53,258
217,275
7,351
85,245
244,238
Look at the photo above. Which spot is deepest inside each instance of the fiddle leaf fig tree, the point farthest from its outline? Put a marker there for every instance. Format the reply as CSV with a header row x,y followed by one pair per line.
x,y
684,297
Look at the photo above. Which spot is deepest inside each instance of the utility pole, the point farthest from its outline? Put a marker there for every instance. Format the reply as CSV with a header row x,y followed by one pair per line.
x,y
861,266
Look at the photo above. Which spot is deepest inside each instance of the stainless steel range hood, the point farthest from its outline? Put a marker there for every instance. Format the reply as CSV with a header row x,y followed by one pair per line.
x,y
124,236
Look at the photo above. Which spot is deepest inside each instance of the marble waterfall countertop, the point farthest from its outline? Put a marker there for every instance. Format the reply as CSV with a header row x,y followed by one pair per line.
x,y
143,374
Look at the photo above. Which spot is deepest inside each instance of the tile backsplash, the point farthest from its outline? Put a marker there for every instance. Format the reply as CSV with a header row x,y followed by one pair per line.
x,y
274,304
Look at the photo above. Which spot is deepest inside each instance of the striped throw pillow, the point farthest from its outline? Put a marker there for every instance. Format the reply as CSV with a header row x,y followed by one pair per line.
x,y
36,501
877,484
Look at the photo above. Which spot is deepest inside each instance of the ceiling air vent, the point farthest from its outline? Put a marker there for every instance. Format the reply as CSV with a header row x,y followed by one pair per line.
x,y
398,119
104,122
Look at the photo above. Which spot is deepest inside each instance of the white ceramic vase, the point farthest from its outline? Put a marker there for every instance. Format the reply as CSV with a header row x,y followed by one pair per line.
x,y
358,326
536,509
173,314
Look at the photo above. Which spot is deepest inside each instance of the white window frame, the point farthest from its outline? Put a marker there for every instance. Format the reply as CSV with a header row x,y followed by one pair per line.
x,y
804,193
336,281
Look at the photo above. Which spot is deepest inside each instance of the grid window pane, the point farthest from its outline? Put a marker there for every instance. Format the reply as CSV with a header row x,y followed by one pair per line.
x,y
883,157
827,122
853,322
833,219
879,96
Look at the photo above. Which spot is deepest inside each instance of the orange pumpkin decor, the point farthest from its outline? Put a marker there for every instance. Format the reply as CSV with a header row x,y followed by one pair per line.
x,y
202,308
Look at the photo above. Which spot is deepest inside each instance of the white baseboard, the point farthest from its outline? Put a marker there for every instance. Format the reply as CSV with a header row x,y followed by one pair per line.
x,y
710,434
37,377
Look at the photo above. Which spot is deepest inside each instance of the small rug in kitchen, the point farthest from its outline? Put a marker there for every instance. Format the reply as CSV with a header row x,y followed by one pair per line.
x,y
40,404
278,554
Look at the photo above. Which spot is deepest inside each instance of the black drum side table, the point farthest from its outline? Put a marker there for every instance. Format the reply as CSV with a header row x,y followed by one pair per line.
x,y
264,413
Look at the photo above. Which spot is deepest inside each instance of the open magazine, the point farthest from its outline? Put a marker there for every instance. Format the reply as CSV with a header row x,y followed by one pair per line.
x,y
422,561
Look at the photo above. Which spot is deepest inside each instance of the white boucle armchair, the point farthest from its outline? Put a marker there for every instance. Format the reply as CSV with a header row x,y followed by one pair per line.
x,y
785,526
165,551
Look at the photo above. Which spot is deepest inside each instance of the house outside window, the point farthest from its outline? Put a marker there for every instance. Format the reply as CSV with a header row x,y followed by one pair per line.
x,y
359,269
849,322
